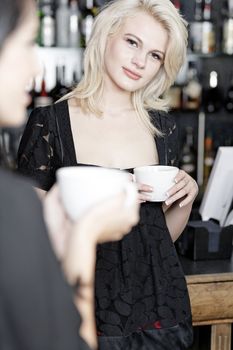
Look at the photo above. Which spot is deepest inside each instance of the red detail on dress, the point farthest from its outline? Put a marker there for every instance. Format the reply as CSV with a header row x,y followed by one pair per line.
x,y
157,325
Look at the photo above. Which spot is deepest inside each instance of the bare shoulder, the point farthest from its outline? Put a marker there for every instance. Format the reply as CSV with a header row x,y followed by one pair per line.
x,y
74,107
73,102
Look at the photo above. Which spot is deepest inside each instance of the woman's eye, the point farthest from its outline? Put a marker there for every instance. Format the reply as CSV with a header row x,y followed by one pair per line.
x,y
156,56
132,42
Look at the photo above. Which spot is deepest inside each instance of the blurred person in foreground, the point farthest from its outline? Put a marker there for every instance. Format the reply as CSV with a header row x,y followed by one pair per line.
x,y
46,285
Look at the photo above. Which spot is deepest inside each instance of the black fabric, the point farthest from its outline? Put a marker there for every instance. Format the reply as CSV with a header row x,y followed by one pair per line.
x,y
141,291
36,307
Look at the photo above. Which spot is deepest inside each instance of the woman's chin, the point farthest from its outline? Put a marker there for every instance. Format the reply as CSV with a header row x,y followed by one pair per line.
x,y
13,119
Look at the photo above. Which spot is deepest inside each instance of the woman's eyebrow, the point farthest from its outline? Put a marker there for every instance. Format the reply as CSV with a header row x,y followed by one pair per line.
x,y
141,42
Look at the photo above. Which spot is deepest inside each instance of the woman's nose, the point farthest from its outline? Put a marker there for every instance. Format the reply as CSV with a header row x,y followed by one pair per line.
x,y
139,60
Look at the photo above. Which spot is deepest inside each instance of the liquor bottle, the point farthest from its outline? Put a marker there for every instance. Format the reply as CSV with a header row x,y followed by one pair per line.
x,y
208,29
228,30
62,24
198,10
74,19
89,11
43,98
174,97
212,96
188,154
191,96
229,97
60,89
40,16
196,28
47,26
208,158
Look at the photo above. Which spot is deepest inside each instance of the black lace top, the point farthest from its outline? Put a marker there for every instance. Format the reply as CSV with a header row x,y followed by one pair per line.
x,y
141,294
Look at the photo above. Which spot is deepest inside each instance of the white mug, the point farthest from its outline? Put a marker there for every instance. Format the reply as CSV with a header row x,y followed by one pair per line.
x,y
160,177
81,187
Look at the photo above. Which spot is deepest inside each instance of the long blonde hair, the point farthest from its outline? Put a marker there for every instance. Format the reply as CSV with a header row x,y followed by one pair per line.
x,y
89,91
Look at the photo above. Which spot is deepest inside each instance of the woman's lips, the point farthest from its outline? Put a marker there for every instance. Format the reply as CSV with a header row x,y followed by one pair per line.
x,y
131,74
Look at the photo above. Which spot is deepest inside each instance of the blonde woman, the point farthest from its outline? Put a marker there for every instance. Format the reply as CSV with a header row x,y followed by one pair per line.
x,y
116,117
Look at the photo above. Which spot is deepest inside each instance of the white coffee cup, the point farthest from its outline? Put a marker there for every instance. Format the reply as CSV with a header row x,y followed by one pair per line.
x,y
160,177
81,187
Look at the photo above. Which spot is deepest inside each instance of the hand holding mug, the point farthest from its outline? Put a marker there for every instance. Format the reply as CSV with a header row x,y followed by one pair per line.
x,y
185,187
154,181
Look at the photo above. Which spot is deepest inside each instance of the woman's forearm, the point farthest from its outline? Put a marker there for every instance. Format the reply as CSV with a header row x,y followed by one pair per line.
x,y
177,218
79,267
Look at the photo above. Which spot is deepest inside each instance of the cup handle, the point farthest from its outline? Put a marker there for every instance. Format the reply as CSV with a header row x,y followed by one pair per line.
x,y
131,194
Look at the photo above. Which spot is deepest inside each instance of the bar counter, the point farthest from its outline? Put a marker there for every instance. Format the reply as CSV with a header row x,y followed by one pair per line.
x,y
210,285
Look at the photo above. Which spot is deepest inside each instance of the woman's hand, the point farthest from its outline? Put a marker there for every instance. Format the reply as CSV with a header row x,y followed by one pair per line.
x,y
143,191
185,190
57,222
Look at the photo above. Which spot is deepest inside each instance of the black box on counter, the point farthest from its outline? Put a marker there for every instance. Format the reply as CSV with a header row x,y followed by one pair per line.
x,y
205,240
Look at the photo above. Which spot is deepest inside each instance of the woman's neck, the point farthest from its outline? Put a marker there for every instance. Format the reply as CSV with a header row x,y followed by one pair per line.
x,y
115,99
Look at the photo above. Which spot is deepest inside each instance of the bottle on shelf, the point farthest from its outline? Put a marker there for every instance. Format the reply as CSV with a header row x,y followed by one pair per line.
x,y
174,96
43,98
62,24
40,16
228,103
208,158
74,27
88,14
228,30
208,29
60,89
47,25
191,95
212,96
196,28
188,153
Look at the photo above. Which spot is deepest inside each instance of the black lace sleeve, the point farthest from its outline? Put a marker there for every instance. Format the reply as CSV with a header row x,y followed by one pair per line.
x,y
38,155
167,145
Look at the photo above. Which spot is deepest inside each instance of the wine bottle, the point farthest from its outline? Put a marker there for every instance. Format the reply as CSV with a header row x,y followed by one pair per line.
x,y
88,13
174,97
196,28
47,26
228,30
43,98
191,95
74,19
208,29
188,153
60,89
208,158
62,24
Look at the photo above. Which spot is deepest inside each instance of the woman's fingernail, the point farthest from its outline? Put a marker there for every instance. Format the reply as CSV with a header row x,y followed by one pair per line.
x,y
176,181
167,194
181,205
167,202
